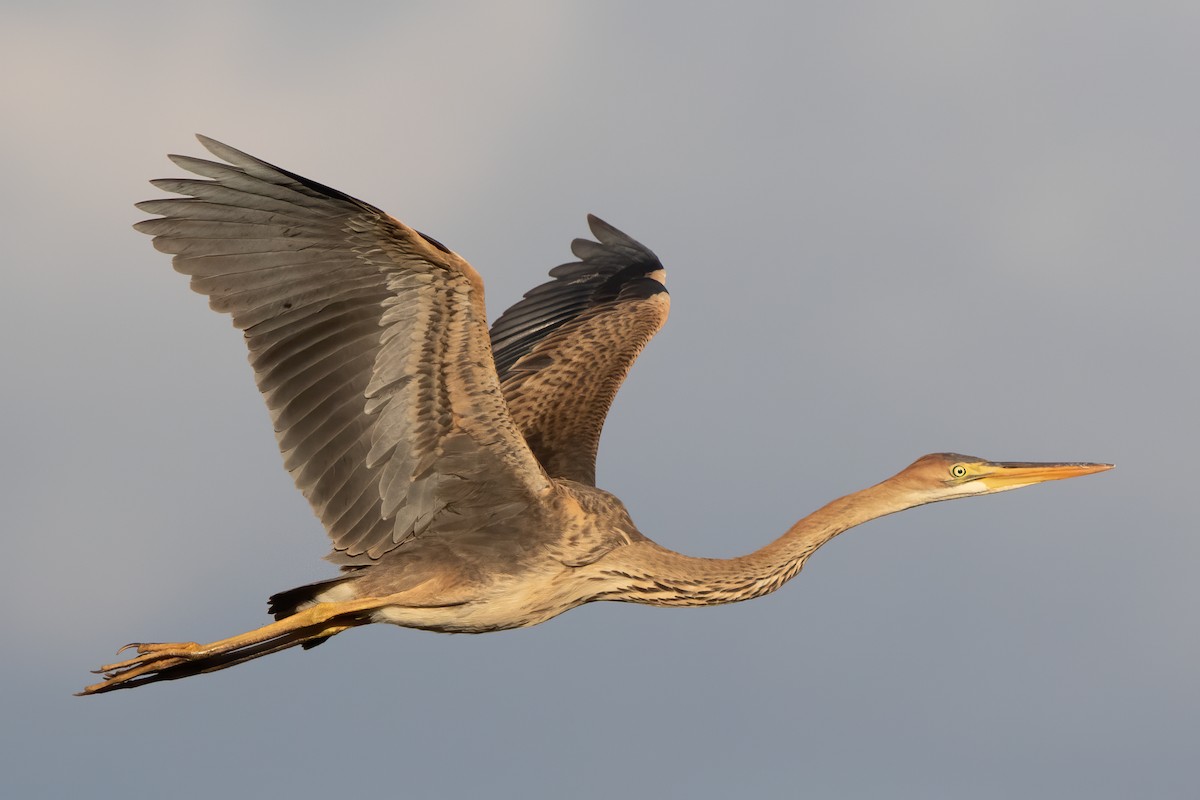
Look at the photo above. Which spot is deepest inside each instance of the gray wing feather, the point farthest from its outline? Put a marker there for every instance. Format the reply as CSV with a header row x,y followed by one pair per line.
x,y
369,344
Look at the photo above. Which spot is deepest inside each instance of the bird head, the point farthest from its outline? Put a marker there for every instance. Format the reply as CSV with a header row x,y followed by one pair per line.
x,y
947,475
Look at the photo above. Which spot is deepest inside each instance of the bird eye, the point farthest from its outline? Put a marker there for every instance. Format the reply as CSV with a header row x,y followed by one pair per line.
x,y
958,471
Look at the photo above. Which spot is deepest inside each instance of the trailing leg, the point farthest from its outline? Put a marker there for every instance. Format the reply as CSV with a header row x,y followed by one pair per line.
x,y
171,660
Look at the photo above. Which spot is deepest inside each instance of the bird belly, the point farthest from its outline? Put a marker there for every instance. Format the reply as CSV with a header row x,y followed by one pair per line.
x,y
505,604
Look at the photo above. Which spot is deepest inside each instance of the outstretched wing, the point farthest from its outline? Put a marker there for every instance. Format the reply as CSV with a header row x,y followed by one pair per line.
x,y
369,344
563,351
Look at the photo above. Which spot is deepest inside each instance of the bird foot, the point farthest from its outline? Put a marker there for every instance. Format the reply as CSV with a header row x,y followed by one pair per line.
x,y
151,657
148,652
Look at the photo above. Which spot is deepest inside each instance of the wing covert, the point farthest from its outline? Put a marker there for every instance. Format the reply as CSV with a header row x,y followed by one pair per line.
x,y
563,351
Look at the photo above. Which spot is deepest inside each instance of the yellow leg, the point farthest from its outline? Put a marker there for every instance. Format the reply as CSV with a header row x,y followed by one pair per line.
x,y
154,659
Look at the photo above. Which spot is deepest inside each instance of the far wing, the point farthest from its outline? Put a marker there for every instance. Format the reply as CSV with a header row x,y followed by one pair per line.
x,y
563,351
369,344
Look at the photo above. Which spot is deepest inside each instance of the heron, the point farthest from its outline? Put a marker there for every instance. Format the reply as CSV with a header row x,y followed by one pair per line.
x,y
453,467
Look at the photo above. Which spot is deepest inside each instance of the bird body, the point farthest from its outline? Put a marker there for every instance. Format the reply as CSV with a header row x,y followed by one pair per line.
x,y
520,572
453,467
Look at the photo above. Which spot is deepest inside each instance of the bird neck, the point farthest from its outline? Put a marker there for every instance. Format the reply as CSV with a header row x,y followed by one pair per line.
x,y
645,572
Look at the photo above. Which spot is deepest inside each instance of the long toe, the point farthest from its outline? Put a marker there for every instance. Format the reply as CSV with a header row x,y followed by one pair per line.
x,y
151,652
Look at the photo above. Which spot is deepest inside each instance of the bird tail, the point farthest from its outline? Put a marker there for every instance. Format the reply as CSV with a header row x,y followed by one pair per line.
x,y
286,603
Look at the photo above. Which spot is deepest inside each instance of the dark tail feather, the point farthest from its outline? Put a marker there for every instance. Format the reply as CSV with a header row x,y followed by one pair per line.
x,y
284,604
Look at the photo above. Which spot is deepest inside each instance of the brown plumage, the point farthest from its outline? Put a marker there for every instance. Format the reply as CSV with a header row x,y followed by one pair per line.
x,y
454,471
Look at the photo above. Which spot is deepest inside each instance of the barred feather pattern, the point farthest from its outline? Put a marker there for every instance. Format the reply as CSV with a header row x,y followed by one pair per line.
x,y
564,350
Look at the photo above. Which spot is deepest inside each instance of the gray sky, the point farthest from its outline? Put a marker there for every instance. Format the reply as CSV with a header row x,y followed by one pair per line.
x,y
890,229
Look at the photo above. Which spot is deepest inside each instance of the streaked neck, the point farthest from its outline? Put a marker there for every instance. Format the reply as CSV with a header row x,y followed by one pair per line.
x,y
645,572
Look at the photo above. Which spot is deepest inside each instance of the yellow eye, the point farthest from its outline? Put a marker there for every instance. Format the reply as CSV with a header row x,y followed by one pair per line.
x,y
958,471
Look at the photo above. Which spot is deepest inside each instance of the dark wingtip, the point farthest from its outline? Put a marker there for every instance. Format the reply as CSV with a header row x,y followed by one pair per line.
x,y
434,242
607,234
606,269
642,288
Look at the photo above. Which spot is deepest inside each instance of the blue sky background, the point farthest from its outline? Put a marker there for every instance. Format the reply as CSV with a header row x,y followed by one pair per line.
x,y
890,229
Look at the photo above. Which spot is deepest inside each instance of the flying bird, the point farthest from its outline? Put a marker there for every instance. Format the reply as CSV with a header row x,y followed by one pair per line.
x,y
452,467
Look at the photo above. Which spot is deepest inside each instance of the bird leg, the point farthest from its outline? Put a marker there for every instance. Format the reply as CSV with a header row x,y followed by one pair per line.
x,y
169,660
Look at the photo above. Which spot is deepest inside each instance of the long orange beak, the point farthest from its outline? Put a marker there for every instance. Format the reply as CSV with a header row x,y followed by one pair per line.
x,y
1000,475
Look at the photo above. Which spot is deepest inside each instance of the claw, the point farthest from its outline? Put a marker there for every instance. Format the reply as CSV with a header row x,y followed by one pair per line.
x,y
131,644
150,653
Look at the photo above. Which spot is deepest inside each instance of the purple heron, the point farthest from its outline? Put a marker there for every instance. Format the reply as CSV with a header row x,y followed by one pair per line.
x,y
453,469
